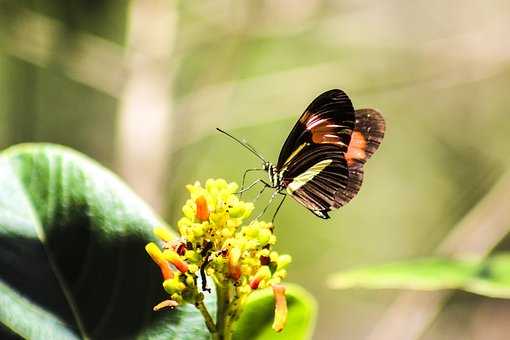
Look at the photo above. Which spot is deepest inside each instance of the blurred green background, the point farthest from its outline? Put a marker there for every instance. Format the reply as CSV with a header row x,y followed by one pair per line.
x,y
141,86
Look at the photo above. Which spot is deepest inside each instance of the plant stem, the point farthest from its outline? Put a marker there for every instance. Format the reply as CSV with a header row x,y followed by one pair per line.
x,y
223,321
209,322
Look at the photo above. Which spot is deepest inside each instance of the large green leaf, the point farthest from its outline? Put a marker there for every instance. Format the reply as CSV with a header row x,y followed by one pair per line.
x,y
257,318
72,258
488,277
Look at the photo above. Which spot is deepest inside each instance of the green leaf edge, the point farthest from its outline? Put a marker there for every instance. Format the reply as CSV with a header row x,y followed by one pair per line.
x,y
488,277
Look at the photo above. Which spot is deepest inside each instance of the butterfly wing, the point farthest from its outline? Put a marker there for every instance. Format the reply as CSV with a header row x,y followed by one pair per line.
x,y
314,177
365,140
329,119
321,160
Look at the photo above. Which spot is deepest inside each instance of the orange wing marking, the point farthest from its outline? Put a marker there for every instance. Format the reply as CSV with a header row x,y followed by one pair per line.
x,y
325,134
356,149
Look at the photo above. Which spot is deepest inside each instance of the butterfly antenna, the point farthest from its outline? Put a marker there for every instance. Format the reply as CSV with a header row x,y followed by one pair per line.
x,y
245,144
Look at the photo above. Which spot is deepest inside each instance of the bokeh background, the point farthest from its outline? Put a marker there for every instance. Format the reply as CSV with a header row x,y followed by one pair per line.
x,y
141,86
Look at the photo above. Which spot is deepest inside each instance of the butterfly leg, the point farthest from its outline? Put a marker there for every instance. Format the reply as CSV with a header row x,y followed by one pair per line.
x,y
279,205
240,192
267,206
260,193
244,179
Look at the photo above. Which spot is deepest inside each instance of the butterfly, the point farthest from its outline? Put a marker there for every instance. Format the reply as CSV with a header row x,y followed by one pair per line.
x,y
321,163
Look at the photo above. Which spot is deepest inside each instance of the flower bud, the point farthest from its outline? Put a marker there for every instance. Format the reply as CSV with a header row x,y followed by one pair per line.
x,y
173,286
189,281
192,188
232,187
177,298
221,183
251,231
188,211
283,261
210,184
273,256
193,268
264,236
198,230
262,274
163,234
225,232
234,267
219,219
237,212
202,209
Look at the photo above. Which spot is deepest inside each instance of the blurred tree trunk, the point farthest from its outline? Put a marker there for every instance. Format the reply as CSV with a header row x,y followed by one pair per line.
x,y
145,108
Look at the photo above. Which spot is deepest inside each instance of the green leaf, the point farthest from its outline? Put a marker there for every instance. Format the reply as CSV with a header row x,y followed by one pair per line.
x,y
488,277
72,258
257,318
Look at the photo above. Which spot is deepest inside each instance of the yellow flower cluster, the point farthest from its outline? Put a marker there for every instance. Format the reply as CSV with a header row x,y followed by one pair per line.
x,y
212,213
213,241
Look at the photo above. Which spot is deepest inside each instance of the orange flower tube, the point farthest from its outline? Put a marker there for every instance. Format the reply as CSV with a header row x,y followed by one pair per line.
x,y
157,256
280,312
176,260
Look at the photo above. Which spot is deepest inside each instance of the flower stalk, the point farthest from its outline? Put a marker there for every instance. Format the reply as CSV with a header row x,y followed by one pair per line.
x,y
216,246
223,320
209,322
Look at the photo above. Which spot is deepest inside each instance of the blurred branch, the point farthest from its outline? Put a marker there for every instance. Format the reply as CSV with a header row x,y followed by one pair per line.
x,y
145,108
32,37
477,233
